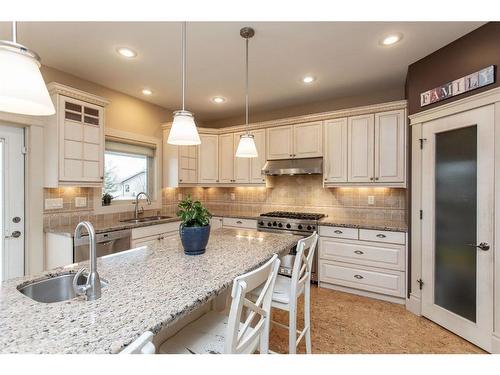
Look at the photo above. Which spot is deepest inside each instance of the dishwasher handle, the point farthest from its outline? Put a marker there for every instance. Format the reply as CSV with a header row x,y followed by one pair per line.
x,y
104,237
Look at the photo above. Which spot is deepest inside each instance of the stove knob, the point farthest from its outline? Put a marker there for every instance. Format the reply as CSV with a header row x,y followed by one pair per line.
x,y
261,223
269,224
309,227
299,226
313,227
288,226
274,223
280,225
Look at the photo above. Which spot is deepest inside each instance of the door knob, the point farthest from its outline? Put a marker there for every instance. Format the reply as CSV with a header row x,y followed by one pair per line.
x,y
14,234
483,246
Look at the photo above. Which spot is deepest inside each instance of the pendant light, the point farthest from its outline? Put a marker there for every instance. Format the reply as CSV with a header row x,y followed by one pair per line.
x,y
22,89
246,147
183,131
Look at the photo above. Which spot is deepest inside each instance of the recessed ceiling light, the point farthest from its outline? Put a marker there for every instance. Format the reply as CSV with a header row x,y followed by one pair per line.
x,y
147,91
391,39
308,79
218,99
126,52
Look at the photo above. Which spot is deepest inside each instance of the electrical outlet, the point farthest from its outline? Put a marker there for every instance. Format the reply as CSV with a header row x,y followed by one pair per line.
x,y
233,196
81,202
179,196
53,203
371,199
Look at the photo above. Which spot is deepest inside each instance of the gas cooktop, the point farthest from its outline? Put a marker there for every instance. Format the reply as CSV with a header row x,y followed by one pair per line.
x,y
294,215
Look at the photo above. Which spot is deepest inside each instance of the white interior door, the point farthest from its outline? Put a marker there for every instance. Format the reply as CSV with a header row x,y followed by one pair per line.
x,y
457,203
12,202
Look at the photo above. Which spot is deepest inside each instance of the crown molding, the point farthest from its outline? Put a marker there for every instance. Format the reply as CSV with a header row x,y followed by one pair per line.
x,y
321,116
461,105
58,88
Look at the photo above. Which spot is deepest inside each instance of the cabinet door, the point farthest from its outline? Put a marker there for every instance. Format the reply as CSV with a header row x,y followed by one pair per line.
x,y
279,143
226,158
241,165
208,158
335,168
256,164
360,134
308,140
188,164
390,144
145,241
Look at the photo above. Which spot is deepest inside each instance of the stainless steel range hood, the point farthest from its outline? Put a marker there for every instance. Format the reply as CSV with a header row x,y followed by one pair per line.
x,y
292,167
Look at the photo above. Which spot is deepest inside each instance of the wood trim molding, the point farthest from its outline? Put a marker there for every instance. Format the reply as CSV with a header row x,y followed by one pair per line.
x,y
58,88
382,107
465,104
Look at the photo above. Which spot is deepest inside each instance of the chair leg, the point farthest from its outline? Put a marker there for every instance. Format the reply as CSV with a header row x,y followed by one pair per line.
x,y
307,318
292,331
264,336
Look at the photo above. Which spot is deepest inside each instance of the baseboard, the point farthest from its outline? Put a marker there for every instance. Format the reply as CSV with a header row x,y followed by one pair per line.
x,y
414,305
363,293
495,344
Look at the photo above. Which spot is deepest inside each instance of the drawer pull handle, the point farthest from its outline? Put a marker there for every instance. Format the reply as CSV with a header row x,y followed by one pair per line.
x,y
359,277
338,231
359,252
239,222
380,235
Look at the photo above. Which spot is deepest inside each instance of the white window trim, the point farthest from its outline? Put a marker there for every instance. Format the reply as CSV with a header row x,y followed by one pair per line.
x,y
128,205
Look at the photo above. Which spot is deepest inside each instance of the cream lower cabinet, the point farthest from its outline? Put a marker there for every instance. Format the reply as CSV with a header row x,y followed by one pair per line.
x,y
295,141
208,159
74,139
154,234
365,262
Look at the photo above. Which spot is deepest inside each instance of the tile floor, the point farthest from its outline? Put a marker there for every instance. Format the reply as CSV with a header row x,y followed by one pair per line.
x,y
346,323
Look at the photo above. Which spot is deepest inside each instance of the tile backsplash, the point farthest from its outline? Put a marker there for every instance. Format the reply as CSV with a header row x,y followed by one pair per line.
x,y
289,193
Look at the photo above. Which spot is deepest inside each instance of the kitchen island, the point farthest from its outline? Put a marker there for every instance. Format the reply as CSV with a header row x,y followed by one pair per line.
x,y
149,288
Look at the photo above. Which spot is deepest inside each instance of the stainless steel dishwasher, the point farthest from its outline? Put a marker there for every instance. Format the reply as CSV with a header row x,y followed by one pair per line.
x,y
106,243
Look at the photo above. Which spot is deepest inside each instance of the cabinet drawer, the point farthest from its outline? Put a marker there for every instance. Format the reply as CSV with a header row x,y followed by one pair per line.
x,y
382,236
155,230
339,232
364,278
361,253
239,223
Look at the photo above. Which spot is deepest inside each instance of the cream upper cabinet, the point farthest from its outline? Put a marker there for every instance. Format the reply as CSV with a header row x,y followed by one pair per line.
x,y
241,165
279,142
335,159
74,139
226,158
256,164
295,141
360,148
390,142
308,140
208,159
188,162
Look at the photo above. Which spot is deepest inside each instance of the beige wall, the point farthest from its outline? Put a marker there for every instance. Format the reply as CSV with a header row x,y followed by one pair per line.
x,y
383,95
125,112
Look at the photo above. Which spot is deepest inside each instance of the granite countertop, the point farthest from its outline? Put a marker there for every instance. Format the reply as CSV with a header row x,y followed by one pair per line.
x,y
149,288
378,224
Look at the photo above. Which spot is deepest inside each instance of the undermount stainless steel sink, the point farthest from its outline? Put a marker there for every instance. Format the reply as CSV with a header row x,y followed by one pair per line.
x,y
55,289
145,219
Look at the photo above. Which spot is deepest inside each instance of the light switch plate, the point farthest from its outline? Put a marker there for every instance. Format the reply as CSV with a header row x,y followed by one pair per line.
x,y
53,203
80,201
233,196
371,199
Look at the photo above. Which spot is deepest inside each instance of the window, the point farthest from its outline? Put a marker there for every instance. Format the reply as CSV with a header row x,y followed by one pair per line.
x,y
128,169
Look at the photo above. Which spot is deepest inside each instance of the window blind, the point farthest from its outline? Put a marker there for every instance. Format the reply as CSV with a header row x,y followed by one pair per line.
x,y
130,148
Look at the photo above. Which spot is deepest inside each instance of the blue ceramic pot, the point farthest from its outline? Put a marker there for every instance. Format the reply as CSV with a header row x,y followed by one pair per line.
x,y
194,239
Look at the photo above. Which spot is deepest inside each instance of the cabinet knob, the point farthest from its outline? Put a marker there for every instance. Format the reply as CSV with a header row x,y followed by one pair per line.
x,y
291,155
326,179
371,178
376,178
180,180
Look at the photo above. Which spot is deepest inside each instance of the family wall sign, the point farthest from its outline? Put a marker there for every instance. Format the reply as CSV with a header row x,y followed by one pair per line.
x,y
470,82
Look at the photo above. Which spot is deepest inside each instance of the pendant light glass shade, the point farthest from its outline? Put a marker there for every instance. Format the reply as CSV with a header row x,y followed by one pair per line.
x,y
246,147
22,88
183,131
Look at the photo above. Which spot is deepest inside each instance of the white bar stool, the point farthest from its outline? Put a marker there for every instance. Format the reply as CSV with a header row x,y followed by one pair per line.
x,y
215,333
287,291
142,345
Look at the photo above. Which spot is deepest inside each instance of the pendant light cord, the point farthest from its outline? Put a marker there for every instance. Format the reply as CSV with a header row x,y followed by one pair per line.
x,y
14,32
246,87
183,62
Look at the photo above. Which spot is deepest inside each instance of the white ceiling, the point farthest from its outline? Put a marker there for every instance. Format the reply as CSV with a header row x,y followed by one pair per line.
x,y
346,58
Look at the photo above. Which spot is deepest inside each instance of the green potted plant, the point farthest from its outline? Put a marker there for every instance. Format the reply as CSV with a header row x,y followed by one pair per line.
x,y
194,229
106,199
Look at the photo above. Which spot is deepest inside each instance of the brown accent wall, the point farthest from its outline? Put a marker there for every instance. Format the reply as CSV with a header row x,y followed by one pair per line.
x,y
472,52
386,94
